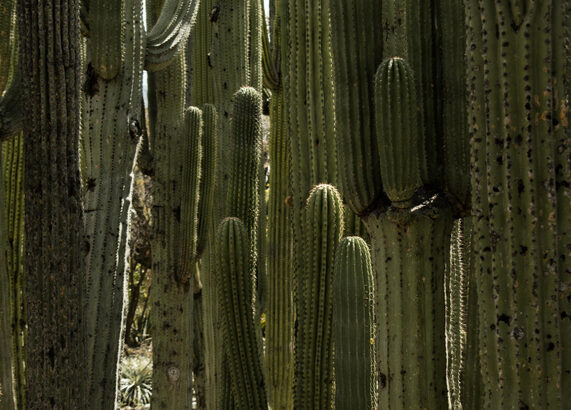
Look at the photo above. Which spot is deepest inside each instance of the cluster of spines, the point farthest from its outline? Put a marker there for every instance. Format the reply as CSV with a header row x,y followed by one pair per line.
x,y
353,323
235,280
313,345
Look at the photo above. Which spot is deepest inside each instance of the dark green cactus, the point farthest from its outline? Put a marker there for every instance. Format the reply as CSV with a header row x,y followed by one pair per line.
x,y
235,278
54,235
399,140
313,345
353,323
518,121
105,44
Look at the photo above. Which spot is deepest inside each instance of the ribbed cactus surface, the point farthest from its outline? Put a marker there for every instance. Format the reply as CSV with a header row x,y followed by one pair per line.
x,y
235,278
353,323
54,236
400,142
518,58
313,343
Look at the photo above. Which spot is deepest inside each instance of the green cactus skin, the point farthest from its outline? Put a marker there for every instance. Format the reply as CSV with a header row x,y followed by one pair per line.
x,y
54,237
171,293
168,36
230,60
6,384
106,47
354,23
208,165
410,251
112,123
8,46
12,170
353,323
191,177
235,287
313,347
461,356
520,155
399,140
202,87
279,323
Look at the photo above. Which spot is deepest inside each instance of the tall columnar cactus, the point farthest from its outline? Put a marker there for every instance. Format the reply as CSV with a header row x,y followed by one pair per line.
x,y
313,346
409,229
234,275
518,54
54,240
353,323
112,123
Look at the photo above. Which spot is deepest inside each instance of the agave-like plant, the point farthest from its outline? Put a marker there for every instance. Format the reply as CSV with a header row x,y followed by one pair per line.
x,y
136,381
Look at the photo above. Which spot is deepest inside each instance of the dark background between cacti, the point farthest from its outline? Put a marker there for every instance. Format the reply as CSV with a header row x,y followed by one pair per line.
x,y
309,204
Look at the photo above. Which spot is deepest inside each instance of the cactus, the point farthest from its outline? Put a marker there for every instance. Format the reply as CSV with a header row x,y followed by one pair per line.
x,y
353,323
413,173
313,346
112,123
54,240
235,286
518,110
400,144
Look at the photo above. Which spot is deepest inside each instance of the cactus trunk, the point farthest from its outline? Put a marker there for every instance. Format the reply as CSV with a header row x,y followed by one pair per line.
x,y
521,199
112,126
54,241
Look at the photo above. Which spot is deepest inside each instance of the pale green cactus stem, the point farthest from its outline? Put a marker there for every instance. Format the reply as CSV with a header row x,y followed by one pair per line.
x,y
112,122
521,172
313,345
202,87
236,292
353,325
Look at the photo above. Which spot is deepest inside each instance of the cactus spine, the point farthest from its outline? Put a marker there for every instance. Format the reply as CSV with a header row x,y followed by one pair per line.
x,y
313,348
54,262
520,176
235,286
353,323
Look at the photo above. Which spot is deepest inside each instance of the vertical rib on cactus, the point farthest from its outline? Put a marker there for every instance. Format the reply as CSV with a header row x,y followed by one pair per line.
x,y
111,127
202,92
191,177
353,323
457,291
313,347
279,324
520,173
399,139
355,23
54,262
13,170
235,287
7,399
171,293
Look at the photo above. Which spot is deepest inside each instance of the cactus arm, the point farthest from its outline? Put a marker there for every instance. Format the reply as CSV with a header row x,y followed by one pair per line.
x,y
399,141
202,71
354,24
168,36
105,37
7,399
517,206
313,346
235,286
353,324
271,73
191,177
54,262
8,43
10,111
